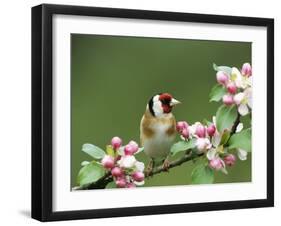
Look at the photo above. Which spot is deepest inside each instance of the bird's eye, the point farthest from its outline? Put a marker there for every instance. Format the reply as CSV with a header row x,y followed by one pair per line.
x,y
165,101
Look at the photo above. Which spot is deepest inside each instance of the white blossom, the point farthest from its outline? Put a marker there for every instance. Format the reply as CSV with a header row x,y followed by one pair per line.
x,y
139,166
127,161
242,154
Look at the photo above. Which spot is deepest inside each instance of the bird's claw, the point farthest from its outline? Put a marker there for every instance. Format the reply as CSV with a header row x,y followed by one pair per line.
x,y
148,172
149,169
166,165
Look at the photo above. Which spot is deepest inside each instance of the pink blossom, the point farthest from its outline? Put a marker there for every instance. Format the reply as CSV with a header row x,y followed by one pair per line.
x,y
116,143
130,185
230,160
131,148
222,78
216,163
231,88
228,100
135,145
246,70
107,162
185,133
211,130
138,176
181,125
121,182
117,172
200,130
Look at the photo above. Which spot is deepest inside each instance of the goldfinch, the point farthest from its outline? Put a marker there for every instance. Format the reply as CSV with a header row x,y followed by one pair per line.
x,y
158,129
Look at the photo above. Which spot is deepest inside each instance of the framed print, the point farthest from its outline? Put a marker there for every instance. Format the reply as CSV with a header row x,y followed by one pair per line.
x,y
145,112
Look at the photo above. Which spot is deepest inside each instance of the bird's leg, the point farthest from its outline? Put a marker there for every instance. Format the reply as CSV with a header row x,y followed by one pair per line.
x,y
149,168
166,164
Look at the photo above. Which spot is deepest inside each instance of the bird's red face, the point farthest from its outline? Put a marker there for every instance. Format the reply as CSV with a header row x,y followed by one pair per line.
x,y
162,104
166,99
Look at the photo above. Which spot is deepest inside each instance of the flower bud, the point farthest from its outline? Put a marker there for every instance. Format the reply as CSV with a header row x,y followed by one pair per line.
x,y
227,100
130,149
185,133
138,176
200,131
181,125
246,70
107,162
211,130
215,163
135,145
130,185
222,78
117,172
229,159
121,182
116,143
231,88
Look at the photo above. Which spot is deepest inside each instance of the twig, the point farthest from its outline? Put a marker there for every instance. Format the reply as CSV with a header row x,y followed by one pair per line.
x,y
178,162
107,178
236,123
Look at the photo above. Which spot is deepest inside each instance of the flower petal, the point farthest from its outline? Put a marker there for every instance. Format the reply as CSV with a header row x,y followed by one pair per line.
x,y
140,166
127,161
183,138
139,183
248,92
243,109
223,169
120,151
211,154
192,128
215,121
236,77
242,154
239,127
216,139
239,97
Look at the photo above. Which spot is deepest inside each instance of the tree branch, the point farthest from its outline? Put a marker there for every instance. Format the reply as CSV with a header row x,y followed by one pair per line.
x,y
107,178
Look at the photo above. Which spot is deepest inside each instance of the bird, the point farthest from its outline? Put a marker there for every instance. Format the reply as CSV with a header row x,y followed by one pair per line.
x,y
158,129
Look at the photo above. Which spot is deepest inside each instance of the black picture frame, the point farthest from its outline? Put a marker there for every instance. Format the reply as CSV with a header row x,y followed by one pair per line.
x,y
42,104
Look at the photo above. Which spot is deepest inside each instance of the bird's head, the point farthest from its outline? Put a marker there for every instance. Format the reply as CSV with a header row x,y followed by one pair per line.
x,y
161,104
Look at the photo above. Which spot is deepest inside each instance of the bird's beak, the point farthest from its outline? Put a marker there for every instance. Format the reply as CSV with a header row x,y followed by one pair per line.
x,y
174,102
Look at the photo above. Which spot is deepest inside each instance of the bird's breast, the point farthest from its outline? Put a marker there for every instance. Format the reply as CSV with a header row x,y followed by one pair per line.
x,y
158,137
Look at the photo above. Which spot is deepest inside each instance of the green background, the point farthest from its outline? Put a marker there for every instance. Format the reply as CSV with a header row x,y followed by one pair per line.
x,y
113,77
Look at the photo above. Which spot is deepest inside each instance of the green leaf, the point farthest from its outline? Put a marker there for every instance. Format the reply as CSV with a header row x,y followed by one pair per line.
x,y
111,185
93,151
241,140
225,69
84,163
140,150
90,173
225,117
182,146
217,93
202,174
225,136
110,151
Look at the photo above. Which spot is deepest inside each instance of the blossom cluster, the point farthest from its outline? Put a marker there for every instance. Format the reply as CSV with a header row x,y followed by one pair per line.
x,y
126,171
238,85
207,140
